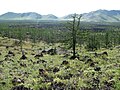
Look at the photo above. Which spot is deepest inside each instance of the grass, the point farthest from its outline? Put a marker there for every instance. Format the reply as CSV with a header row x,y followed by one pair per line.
x,y
76,75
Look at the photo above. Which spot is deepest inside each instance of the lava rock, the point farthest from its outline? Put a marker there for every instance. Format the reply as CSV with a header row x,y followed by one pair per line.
x,y
105,53
92,64
66,55
96,80
65,62
23,65
42,72
58,86
10,52
97,68
52,51
3,83
109,83
21,87
17,81
88,61
74,57
23,57
41,61
44,52
7,47
56,69
38,55
101,54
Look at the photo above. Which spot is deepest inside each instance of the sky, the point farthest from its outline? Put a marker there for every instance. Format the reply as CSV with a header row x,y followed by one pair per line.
x,y
57,7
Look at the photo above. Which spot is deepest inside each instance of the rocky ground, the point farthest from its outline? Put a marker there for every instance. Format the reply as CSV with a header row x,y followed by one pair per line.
x,y
49,67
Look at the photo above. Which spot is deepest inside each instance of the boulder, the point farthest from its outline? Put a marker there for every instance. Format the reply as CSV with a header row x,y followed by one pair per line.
x,y
65,62
101,54
97,68
17,81
10,52
38,55
23,57
52,51
56,69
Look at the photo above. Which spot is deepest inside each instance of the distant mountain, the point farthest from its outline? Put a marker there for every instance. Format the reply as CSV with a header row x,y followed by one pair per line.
x,y
26,16
94,16
68,16
49,16
20,16
99,16
103,16
9,15
30,15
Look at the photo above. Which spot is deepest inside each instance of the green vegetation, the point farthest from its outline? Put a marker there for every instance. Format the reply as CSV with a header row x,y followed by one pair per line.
x,y
45,63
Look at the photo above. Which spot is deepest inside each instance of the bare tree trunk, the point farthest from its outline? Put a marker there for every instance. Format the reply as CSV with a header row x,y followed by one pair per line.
x,y
75,28
74,36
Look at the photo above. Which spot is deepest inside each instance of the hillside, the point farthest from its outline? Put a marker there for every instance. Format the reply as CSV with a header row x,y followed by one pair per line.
x,y
26,16
48,71
99,16
103,15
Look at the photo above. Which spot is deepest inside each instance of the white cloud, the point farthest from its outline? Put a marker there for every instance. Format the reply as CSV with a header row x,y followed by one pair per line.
x,y
57,7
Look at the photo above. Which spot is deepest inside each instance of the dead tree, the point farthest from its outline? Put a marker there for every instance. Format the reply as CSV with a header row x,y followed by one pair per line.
x,y
75,27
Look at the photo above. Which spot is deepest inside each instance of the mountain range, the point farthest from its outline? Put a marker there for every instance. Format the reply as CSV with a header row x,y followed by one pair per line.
x,y
93,16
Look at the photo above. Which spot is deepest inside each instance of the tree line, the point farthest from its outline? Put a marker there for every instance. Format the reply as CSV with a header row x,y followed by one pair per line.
x,y
85,35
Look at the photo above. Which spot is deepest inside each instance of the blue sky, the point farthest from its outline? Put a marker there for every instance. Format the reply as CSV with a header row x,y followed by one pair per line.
x,y
57,7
